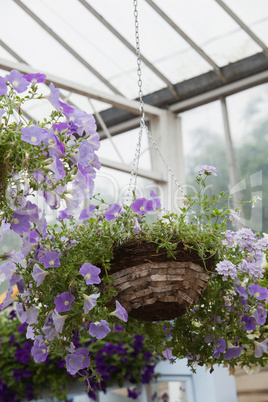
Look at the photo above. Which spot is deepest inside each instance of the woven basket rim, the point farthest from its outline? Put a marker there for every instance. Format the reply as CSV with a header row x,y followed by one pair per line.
x,y
134,251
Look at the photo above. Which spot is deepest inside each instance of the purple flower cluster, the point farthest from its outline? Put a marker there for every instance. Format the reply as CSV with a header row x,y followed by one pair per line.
x,y
62,154
110,371
226,269
251,247
208,170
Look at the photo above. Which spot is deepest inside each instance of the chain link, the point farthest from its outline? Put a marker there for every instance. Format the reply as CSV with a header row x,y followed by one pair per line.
x,y
143,127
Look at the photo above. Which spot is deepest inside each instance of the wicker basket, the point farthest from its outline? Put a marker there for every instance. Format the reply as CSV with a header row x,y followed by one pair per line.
x,y
152,287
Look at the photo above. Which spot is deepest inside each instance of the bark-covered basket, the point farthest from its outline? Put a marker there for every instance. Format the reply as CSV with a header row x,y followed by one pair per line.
x,y
152,287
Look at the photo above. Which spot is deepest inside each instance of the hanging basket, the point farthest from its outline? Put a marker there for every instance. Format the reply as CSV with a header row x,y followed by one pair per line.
x,y
153,287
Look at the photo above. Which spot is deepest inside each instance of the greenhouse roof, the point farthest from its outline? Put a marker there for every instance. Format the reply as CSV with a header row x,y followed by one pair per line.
x,y
87,48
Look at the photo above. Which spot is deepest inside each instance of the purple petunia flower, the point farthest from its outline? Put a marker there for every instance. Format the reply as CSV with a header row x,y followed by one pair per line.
x,y
241,291
120,312
113,212
39,351
87,212
32,210
49,328
233,352
260,348
63,302
248,322
39,274
83,182
87,124
53,97
16,79
155,199
73,203
136,226
77,361
20,222
132,394
167,353
3,86
33,135
260,315
208,170
90,301
50,259
7,270
41,224
65,108
35,78
74,363
219,347
259,292
30,333
53,143
52,199
59,321
91,273
60,126
63,215
56,166
27,314
165,328
142,206
99,329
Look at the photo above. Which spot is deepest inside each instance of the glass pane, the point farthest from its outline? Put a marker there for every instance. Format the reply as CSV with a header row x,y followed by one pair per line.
x,y
254,14
113,185
212,29
203,143
126,145
249,127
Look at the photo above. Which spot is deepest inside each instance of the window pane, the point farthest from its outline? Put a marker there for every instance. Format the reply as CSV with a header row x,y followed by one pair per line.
x,y
249,127
203,142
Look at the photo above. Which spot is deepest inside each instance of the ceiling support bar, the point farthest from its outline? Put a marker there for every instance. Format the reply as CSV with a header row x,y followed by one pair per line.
x,y
67,47
216,68
113,99
225,90
130,47
243,26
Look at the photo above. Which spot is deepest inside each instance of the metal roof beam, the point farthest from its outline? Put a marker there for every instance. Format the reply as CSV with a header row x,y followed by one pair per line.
x,y
243,26
66,46
226,90
216,68
197,91
129,46
113,99
12,52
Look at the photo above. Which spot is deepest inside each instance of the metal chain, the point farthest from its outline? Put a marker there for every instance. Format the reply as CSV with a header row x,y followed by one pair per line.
x,y
138,53
135,165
